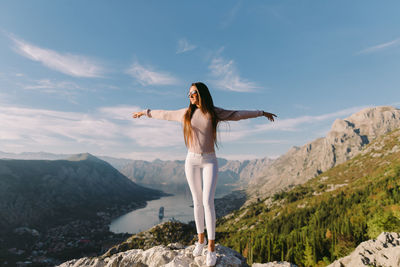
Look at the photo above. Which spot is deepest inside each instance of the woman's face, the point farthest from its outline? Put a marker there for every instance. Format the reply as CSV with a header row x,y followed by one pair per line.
x,y
194,96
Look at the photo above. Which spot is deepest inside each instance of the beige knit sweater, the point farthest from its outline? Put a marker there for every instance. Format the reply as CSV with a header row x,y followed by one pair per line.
x,y
201,124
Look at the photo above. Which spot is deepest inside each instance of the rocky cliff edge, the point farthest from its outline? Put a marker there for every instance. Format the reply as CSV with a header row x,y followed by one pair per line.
x,y
173,255
382,251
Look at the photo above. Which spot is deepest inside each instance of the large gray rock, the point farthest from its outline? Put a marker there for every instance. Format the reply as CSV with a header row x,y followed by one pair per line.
x,y
173,255
345,140
383,251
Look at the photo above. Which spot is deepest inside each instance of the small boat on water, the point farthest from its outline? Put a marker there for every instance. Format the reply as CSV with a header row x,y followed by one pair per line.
x,y
161,213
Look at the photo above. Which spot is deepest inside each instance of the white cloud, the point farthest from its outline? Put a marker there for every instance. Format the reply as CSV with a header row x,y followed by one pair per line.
x,y
4,98
230,16
292,124
247,132
112,131
52,86
104,131
379,47
184,46
303,107
60,87
154,133
239,157
148,90
152,155
267,141
144,131
147,76
396,104
119,112
227,77
65,89
67,63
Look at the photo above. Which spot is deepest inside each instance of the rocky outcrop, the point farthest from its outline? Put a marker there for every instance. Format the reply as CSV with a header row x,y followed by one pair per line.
x,y
172,255
160,234
345,140
166,244
383,251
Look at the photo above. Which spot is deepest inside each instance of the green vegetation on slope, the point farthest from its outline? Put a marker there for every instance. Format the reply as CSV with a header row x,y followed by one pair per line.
x,y
326,218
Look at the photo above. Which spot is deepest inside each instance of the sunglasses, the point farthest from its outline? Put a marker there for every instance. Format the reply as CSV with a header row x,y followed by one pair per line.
x,y
194,92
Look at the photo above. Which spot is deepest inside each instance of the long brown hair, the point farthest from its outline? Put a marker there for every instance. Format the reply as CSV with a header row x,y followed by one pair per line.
x,y
207,107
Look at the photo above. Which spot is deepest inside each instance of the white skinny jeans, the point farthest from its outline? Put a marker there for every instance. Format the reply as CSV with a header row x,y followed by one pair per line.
x,y
203,198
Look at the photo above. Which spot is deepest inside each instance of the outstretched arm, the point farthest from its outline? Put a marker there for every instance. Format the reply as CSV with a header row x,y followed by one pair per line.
x,y
170,115
235,115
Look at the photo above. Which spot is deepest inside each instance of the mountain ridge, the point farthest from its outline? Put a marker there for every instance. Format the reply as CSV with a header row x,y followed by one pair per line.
x,y
168,175
345,140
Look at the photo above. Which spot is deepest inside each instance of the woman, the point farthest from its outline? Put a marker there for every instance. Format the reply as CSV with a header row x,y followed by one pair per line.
x,y
200,122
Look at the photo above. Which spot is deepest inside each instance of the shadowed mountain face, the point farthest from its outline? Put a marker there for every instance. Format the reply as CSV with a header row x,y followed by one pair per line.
x,y
344,141
40,193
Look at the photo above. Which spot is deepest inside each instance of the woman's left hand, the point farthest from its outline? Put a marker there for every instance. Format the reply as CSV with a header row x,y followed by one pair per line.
x,y
270,116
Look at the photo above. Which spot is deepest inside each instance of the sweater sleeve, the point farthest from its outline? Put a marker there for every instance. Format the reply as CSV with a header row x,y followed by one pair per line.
x,y
235,115
170,115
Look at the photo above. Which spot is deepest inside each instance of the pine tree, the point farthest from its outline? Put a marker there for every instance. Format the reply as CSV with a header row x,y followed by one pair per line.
x,y
308,255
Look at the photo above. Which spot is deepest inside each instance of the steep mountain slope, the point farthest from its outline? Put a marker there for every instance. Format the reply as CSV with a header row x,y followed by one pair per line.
x,y
169,176
328,216
344,141
36,193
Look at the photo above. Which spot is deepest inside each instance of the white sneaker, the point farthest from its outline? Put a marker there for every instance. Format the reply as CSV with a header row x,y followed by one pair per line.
x,y
199,248
211,258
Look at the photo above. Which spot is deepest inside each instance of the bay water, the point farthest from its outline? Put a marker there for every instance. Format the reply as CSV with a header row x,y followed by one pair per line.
x,y
176,207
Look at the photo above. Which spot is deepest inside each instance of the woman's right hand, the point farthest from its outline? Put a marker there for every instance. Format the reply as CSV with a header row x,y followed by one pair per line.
x,y
137,114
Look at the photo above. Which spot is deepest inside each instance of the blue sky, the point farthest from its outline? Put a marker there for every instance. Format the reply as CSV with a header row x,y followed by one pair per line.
x,y
72,72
